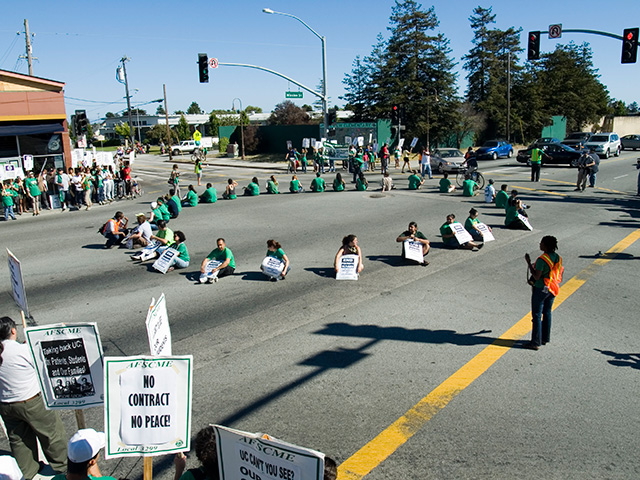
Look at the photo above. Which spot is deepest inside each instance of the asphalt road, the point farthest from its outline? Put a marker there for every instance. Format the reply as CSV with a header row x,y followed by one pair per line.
x,y
331,365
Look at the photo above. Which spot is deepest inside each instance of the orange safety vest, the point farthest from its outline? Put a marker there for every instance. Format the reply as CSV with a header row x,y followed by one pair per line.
x,y
552,282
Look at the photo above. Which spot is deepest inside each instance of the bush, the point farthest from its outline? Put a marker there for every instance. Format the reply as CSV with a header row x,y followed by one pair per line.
x,y
222,146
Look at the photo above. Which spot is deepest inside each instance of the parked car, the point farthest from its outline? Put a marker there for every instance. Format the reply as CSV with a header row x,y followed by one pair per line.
x,y
544,141
494,149
630,141
605,144
186,146
576,140
559,153
446,160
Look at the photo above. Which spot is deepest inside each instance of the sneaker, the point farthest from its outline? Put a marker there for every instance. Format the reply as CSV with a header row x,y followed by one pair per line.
x,y
273,279
531,346
215,279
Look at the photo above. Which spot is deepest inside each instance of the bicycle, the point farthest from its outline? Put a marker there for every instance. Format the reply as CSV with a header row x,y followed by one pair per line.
x,y
198,155
474,175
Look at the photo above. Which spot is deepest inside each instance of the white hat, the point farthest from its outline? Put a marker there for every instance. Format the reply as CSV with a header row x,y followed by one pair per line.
x,y
9,469
84,445
154,205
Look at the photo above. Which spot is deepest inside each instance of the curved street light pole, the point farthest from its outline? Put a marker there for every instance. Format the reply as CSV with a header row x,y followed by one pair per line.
x,y
325,115
241,123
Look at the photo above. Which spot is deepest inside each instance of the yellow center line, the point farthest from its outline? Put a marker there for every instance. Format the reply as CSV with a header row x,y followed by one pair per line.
x,y
595,188
520,187
395,435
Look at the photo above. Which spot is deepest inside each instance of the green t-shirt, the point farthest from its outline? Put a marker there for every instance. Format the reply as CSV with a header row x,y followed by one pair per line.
x,y
182,250
407,233
192,198
467,187
32,186
164,212
445,229
176,199
414,182
63,476
360,185
544,268
317,184
469,223
303,159
338,186
157,214
222,255
253,189
7,199
294,185
166,234
502,198
272,187
358,161
279,254
512,214
210,195
445,183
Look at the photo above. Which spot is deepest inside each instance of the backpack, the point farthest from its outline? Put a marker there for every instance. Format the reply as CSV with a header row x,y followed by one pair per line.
x,y
103,228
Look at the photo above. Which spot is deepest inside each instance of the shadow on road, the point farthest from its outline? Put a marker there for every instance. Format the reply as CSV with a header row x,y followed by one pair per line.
x,y
391,260
254,276
622,359
613,256
327,272
94,246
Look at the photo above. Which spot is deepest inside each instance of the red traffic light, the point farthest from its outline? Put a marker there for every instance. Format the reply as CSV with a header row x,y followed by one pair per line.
x,y
395,107
630,36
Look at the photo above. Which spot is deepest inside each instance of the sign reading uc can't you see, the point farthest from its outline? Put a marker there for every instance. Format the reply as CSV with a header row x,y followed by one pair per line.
x,y
147,405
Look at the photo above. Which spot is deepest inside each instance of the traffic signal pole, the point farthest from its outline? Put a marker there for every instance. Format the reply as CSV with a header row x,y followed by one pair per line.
x,y
126,89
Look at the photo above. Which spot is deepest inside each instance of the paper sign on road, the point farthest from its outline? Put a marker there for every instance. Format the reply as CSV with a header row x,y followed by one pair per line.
x,y
348,267
147,408
158,329
487,236
462,236
162,263
69,363
413,251
525,220
272,267
209,274
243,455
17,283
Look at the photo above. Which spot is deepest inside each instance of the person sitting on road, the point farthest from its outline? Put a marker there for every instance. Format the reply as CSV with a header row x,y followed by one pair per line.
x,y
274,249
182,259
317,184
445,184
471,225
83,451
191,198
387,182
164,236
415,235
361,182
415,181
207,455
512,220
173,203
210,195
349,247
338,183
116,230
489,192
502,197
469,188
272,185
294,185
220,254
230,190
141,235
253,189
449,237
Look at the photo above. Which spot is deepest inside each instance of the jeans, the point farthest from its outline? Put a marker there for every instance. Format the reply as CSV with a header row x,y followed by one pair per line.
x,y
592,179
304,167
332,165
178,262
426,169
541,304
535,172
8,212
101,195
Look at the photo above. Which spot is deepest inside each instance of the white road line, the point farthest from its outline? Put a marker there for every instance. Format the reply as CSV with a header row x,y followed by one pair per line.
x,y
621,176
500,170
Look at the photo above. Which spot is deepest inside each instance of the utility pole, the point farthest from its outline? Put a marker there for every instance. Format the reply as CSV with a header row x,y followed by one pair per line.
x,y
509,97
166,116
124,60
27,39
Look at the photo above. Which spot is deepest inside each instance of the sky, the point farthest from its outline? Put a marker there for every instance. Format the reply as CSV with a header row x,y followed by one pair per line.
x,y
81,44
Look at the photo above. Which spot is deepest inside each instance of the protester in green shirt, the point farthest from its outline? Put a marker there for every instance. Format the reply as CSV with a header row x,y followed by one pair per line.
x,y
210,195
274,249
361,182
338,183
294,184
272,185
182,259
415,182
253,189
471,225
191,199
469,188
221,254
7,201
512,220
502,197
31,185
415,235
317,184
449,238
445,184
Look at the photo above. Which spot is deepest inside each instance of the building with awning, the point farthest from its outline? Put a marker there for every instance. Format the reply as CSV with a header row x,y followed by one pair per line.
x,y
33,122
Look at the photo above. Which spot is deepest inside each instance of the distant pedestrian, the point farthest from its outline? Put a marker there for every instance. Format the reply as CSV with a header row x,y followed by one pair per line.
x,y
425,163
584,163
536,161
594,166
174,179
198,170
384,158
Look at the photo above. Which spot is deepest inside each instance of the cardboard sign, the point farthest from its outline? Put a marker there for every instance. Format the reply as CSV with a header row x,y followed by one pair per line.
x,y
158,330
27,162
69,363
149,251
272,267
147,409
414,142
525,220
361,141
77,155
487,236
306,143
348,267
400,143
370,137
347,140
289,145
17,283
132,157
209,274
462,236
413,251
244,455
163,262
313,143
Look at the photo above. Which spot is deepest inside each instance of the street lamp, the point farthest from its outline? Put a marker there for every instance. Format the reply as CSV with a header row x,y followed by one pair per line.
x,y
435,94
241,123
324,66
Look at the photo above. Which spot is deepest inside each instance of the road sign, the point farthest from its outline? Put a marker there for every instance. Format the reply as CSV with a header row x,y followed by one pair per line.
x,y
292,94
555,31
213,62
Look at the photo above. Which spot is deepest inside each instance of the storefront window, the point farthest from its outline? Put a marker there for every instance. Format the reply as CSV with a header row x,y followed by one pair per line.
x,y
8,147
42,144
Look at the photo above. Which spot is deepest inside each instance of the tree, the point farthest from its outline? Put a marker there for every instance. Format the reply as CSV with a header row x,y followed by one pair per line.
x,y
178,112
307,108
182,129
194,108
213,125
253,109
158,133
288,113
123,129
617,108
468,122
633,107
160,110
110,115
135,111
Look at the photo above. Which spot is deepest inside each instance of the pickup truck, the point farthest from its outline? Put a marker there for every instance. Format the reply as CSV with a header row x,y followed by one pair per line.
x,y
186,146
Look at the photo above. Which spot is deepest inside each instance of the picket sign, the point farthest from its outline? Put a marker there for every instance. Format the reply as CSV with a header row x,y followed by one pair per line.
x,y
525,220
348,267
306,143
209,274
272,267
149,251
17,284
461,234
413,251
158,329
163,262
400,143
414,142
487,236
347,140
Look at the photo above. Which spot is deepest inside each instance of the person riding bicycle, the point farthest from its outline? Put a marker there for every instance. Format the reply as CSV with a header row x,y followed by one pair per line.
x,y
471,164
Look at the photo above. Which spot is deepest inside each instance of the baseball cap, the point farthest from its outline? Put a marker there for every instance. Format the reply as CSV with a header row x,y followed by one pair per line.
x,y
140,215
84,445
154,205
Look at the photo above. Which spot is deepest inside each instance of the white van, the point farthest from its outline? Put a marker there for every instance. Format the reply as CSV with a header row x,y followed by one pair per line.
x,y
605,144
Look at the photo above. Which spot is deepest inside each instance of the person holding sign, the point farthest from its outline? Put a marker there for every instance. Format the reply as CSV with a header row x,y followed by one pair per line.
x,y
349,247
83,451
546,276
22,409
220,254
516,218
471,225
406,160
206,453
449,237
164,236
414,235
274,249
253,189
317,184
182,259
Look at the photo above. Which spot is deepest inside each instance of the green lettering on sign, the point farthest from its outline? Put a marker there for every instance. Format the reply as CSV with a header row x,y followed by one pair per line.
x,y
292,94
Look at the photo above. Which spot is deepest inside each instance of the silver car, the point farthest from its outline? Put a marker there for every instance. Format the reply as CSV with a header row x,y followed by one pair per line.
x,y
447,160
630,141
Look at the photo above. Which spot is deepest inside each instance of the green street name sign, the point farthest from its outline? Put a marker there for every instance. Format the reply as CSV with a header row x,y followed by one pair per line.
x,y
292,94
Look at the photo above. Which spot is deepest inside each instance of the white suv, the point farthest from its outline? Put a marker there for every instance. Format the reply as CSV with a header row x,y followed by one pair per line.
x,y
605,144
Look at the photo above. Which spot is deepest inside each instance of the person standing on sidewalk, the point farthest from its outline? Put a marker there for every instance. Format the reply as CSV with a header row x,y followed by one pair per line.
x,y
22,408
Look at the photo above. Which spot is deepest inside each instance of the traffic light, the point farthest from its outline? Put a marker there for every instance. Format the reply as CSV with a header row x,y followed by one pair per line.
x,y
203,67
81,123
395,114
533,52
629,45
333,117
403,113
